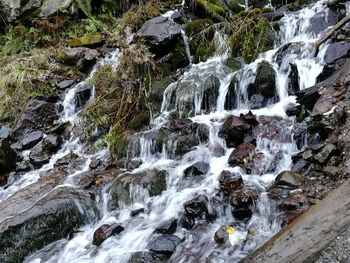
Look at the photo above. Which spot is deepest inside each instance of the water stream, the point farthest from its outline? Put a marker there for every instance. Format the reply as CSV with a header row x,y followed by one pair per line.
x,y
198,244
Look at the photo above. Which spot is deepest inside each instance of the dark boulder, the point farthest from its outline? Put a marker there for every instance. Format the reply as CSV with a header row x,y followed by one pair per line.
x,y
294,202
221,235
7,159
104,232
236,129
38,156
154,181
241,155
229,182
293,80
41,214
167,227
164,244
29,141
196,207
265,82
83,58
51,143
38,115
186,221
242,203
199,168
82,95
160,30
321,21
145,257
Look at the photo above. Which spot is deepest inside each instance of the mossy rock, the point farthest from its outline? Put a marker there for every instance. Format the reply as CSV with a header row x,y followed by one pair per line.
x,y
139,121
154,181
203,52
88,40
157,91
194,27
235,7
204,8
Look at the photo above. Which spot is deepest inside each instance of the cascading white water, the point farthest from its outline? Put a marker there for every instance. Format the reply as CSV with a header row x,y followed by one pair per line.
x,y
72,145
201,247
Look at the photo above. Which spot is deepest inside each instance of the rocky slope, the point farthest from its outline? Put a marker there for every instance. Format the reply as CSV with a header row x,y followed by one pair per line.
x,y
173,132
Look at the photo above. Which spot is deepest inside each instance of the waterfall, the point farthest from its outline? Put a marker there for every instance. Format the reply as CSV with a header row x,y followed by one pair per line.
x,y
186,97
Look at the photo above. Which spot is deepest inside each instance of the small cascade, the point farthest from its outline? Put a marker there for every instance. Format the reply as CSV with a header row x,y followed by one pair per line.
x,y
187,46
72,145
200,95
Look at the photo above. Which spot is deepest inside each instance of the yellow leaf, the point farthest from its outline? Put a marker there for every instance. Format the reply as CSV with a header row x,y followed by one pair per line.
x,y
230,230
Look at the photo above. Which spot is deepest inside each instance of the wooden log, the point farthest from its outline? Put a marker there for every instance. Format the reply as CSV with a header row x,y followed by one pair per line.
x,y
309,234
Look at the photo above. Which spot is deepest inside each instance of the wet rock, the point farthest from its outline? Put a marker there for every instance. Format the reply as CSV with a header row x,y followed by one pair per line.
x,y
180,137
321,21
241,154
336,51
288,178
65,160
242,202
287,49
82,95
229,182
160,30
136,212
38,115
221,235
34,210
104,232
164,244
236,129
38,156
199,168
293,110
196,207
5,132
153,181
27,142
256,101
167,227
327,151
293,80
51,143
265,82
186,221
144,257
65,84
294,202
7,157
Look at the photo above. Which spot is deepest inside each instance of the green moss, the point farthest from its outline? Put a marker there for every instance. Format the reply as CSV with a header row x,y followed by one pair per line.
x,y
117,141
139,121
195,27
204,51
235,7
214,10
88,40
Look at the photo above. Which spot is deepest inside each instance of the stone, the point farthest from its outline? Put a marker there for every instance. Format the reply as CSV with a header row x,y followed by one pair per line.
x,y
7,157
153,181
229,182
51,143
241,154
90,40
321,21
186,221
242,203
265,82
38,156
199,168
294,202
288,178
65,84
336,51
38,115
136,212
160,30
196,207
327,151
293,80
221,235
82,96
236,129
29,141
104,232
167,227
35,209
164,244
144,257
5,132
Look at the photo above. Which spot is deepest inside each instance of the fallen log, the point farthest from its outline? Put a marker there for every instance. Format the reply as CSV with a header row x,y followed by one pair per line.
x,y
309,234
330,32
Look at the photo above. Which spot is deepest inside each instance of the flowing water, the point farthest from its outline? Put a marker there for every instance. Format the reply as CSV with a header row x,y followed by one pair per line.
x,y
189,91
